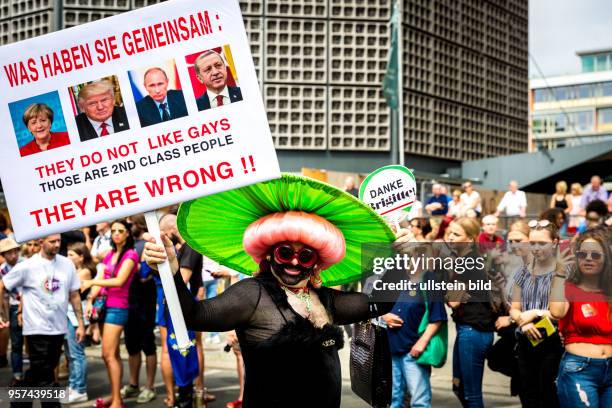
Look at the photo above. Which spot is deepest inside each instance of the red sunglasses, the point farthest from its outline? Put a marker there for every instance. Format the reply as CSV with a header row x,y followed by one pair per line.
x,y
285,254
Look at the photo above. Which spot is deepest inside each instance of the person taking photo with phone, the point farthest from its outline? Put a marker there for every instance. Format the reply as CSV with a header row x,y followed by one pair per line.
x,y
581,301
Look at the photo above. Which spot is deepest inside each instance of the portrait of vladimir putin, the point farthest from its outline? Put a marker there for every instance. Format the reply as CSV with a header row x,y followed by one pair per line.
x,y
211,71
161,104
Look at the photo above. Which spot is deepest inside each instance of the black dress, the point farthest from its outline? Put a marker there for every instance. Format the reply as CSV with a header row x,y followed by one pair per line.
x,y
561,204
288,361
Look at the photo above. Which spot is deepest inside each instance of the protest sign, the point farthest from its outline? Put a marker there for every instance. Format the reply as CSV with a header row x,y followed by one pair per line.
x,y
389,190
128,114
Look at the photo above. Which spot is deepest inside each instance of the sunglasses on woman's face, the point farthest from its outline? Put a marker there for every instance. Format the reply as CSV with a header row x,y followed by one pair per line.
x,y
285,254
582,255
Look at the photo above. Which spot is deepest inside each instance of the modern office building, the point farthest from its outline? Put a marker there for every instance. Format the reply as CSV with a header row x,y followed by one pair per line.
x,y
321,64
572,110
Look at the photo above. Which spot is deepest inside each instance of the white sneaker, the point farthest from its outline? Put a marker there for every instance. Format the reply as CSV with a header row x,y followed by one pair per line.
x,y
75,396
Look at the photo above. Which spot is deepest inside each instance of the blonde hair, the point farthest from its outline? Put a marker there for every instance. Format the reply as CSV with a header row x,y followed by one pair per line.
x,y
520,226
96,88
36,109
489,219
469,225
578,187
561,186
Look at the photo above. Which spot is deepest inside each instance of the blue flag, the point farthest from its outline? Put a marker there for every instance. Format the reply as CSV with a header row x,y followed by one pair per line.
x,y
184,365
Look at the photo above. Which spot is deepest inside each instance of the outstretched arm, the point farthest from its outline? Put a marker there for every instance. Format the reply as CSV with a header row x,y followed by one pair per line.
x,y
233,308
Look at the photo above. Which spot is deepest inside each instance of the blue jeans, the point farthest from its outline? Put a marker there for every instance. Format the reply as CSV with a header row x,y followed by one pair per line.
x,y
211,291
16,344
583,381
77,361
469,353
406,372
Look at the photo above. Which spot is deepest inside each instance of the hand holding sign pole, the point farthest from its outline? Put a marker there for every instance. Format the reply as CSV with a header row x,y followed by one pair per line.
x,y
165,274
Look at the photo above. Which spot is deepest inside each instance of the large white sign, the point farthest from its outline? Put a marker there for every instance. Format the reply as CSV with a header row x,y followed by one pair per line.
x,y
129,114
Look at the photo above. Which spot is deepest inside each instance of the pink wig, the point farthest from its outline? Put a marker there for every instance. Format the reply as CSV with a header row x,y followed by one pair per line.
x,y
295,226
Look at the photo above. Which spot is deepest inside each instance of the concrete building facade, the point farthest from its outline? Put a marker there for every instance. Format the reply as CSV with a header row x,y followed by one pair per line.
x,y
321,64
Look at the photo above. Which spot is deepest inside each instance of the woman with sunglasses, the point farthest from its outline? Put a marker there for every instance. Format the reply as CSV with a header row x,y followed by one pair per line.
x,y
582,303
288,324
120,265
420,227
537,363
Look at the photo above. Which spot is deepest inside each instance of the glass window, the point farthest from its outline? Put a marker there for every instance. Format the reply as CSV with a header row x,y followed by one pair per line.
x,y
602,62
583,121
538,125
584,91
604,116
560,123
542,95
607,88
597,90
560,93
588,64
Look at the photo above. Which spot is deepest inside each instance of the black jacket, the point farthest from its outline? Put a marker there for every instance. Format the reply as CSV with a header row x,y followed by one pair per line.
x,y
87,131
149,114
234,93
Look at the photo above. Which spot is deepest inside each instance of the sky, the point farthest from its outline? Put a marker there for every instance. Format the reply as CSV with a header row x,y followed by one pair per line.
x,y
559,28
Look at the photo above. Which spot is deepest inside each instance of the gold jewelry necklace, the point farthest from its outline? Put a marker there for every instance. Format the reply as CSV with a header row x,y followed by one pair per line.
x,y
303,294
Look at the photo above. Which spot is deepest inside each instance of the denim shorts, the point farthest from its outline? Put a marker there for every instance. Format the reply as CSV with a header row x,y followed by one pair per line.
x,y
115,315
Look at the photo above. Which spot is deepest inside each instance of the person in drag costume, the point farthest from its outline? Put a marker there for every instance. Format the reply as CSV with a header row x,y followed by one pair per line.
x,y
300,236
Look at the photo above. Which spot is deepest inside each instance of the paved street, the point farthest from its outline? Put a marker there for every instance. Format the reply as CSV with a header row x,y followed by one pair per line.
x,y
221,381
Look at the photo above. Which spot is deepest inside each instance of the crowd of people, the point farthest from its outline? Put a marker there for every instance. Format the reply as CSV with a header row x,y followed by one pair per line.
x,y
95,292
547,322
571,210
549,304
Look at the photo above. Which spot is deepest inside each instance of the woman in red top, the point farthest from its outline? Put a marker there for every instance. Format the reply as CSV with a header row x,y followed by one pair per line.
x,y
583,307
38,118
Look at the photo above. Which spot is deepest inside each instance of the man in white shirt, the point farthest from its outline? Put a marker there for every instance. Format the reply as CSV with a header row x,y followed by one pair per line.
x,y
211,71
514,202
48,281
470,199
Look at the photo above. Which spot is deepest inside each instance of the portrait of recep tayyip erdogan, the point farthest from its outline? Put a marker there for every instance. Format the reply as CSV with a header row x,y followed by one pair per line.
x,y
214,78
